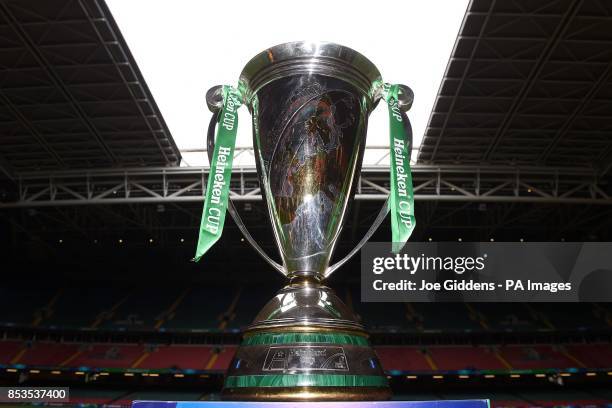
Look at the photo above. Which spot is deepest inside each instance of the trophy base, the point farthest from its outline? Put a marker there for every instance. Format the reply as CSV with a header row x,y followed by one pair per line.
x,y
305,345
307,394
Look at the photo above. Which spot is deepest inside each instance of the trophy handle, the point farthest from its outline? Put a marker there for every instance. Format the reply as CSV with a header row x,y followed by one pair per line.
x,y
214,101
405,98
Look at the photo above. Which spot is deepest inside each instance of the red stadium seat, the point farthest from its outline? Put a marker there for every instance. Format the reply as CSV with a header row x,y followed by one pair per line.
x,y
181,357
402,358
218,358
107,356
535,357
47,354
465,358
592,355
8,350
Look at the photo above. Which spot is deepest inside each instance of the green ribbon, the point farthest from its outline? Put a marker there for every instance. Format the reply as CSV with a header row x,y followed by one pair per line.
x,y
401,202
218,186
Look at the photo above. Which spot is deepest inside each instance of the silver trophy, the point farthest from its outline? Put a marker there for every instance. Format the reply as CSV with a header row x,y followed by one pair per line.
x,y
310,104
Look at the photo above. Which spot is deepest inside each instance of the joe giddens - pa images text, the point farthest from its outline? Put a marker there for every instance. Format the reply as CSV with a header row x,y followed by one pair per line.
x,y
458,265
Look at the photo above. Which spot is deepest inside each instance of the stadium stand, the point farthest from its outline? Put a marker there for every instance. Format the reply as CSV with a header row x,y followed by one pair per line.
x,y
201,307
180,357
43,354
506,317
30,303
504,358
534,357
379,317
448,319
240,311
106,356
564,316
466,358
595,355
217,357
403,359
8,351
93,304
221,308
143,309
125,356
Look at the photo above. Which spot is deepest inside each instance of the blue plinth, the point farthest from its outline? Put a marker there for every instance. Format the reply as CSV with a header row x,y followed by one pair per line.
x,y
364,404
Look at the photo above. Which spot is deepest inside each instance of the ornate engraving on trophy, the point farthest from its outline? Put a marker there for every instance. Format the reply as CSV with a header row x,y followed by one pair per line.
x,y
305,358
308,126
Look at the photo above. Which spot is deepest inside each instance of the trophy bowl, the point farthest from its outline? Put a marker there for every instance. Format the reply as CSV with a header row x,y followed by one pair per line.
x,y
310,103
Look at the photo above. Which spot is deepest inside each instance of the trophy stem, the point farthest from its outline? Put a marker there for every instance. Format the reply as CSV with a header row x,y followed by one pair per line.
x,y
306,279
305,344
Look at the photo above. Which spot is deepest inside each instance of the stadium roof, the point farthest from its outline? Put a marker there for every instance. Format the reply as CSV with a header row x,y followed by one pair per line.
x,y
528,83
526,89
71,94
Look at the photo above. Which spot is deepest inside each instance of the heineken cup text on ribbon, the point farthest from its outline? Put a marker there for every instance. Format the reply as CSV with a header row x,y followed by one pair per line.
x,y
218,185
401,201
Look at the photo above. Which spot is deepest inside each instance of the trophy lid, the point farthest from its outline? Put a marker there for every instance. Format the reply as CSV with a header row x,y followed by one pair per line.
x,y
323,58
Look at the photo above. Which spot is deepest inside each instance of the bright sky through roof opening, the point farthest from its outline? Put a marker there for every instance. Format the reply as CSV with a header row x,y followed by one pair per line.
x,y
183,47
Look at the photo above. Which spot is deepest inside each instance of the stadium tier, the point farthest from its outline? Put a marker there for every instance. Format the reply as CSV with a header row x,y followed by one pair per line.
x,y
114,356
218,309
143,339
405,359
